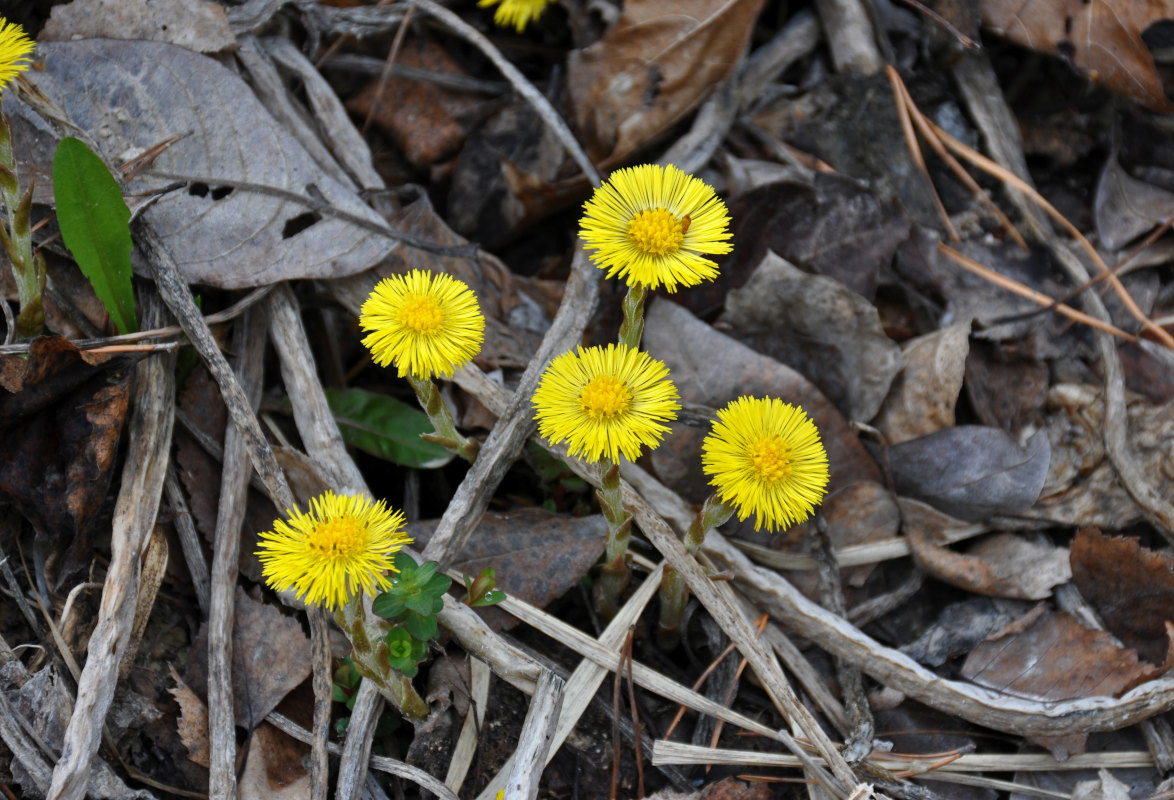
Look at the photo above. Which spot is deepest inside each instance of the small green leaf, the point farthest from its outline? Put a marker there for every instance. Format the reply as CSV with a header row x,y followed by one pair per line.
x,y
386,428
422,628
95,226
388,606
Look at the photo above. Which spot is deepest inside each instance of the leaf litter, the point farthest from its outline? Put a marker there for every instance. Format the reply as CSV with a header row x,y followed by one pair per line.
x,y
951,409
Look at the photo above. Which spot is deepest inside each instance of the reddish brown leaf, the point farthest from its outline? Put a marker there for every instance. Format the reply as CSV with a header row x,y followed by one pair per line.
x,y
656,64
1101,38
1050,656
193,721
1132,588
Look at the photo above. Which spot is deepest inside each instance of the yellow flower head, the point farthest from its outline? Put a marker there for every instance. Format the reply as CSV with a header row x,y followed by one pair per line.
x,y
518,13
605,401
766,459
654,226
15,47
341,546
425,323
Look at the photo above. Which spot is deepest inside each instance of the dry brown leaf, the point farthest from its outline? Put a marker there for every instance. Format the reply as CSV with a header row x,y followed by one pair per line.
x,y
274,768
925,391
1101,38
193,24
1131,587
1004,565
654,66
193,721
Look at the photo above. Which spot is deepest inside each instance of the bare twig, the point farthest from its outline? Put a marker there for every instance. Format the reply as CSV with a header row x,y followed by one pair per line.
x,y
534,743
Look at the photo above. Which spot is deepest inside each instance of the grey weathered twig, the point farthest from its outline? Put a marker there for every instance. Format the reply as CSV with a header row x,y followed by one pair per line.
x,y
533,749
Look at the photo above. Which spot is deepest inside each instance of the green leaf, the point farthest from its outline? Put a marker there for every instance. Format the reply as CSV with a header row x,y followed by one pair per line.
x,y
386,428
419,603
388,606
422,628
95,226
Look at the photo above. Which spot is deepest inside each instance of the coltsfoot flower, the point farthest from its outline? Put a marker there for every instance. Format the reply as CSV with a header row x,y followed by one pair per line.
x,y
15,47
765,458
605,401
655,226
516,13
341,546
424,323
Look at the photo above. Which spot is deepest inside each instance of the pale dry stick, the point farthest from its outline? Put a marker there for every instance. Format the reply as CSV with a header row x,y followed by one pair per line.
x,y
249,342
534,97
466,746
360,738
189,539
1039,298
134,517
534,743
915,153
509,663
719,603
909,111
382,763
850,36
516,422
985,164
584,681
893,668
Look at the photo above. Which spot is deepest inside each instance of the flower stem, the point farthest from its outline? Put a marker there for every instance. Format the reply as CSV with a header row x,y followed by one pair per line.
x,y
446,435
632,328
615,574
17,240
674,594
371,659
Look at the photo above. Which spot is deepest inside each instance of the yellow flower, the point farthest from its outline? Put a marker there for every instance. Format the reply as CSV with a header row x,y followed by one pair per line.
x,y
655,225
15,47
605,401
518,13
425,323
766,459
341,546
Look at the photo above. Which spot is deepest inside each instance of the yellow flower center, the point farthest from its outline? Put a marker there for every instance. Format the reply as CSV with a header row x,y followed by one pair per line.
x,y
338,538
771,459
656,231
421,314
605,397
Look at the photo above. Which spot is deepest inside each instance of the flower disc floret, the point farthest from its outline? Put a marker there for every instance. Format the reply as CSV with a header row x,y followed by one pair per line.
x,y
15,47
515,13
341,546
765,458
424,323
654,226
605,401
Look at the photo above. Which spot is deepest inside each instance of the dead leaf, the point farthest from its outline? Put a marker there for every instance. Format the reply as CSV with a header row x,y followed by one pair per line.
x,y
1130,586
1046,655
712,369
972,472
62,413
1003,565
131,96
537,555
924,393
193,721
1101,38
270,657
819,328
193,24
427,121
1006,390
274,768
1105,787
960,627
1125,208
654,66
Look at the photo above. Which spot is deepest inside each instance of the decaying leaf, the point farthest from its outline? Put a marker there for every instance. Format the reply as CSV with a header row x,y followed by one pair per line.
x,y
1101,38
193,721
1005,390
1130,586
712,369
924,393
274,769
131,96
1047,655
1003,565
972,472
821,329
270,657
194,24
656,64
1125,208
960,627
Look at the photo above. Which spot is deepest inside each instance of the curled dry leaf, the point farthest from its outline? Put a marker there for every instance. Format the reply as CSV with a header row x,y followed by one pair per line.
x,y
818,327
1003,565
924,393
1101,38
971,472
654,66
1130,586
193,721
